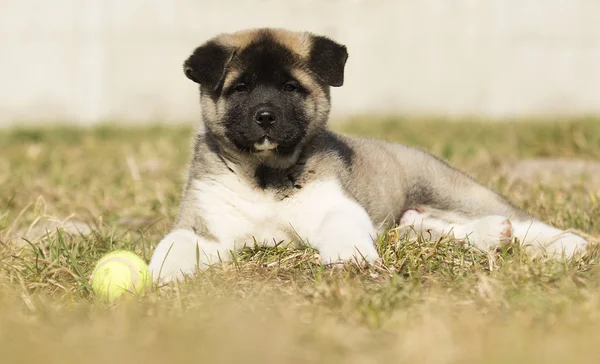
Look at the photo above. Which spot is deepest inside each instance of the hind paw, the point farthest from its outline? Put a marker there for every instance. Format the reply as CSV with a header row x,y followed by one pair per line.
x,y
486,233
412,217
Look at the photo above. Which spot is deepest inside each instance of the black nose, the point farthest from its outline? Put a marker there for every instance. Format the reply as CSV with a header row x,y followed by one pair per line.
x,y
265,117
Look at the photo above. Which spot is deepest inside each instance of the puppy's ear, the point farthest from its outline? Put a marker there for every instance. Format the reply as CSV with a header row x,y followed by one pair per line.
x,y
206,65
327,60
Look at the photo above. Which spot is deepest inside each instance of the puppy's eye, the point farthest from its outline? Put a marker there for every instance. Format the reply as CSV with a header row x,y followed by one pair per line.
x,y
241,87
290,87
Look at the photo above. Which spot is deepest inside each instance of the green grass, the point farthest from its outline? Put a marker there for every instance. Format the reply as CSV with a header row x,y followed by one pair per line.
x,y
428,302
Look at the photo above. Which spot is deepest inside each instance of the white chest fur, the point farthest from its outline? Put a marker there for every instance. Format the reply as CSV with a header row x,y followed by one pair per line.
x,y
236,213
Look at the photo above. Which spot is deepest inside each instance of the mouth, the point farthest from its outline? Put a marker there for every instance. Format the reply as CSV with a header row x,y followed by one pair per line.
x,y
265,144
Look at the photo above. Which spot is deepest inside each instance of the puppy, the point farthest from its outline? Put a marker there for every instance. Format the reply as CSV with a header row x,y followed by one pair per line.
x,y
266,169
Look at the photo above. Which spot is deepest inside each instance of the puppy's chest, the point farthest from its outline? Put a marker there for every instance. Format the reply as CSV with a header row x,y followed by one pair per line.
x,y
235,210
238,210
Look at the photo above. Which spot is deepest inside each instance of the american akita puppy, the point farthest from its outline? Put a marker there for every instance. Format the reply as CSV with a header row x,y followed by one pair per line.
x,y
266,169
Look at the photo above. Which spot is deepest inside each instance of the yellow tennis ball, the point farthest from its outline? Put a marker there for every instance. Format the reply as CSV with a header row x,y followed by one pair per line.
x,y
120,274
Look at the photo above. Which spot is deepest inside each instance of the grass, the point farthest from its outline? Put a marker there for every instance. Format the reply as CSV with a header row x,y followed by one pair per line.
x,y
428,302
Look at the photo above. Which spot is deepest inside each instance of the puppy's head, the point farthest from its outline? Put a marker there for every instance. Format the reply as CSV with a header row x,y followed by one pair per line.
x,y
265,92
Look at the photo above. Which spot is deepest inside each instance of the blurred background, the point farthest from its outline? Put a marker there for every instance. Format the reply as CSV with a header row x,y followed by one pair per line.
x,y
91,61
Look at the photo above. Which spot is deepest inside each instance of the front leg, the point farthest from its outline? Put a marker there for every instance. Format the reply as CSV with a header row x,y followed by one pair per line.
x,y
181,253
338,227
345,236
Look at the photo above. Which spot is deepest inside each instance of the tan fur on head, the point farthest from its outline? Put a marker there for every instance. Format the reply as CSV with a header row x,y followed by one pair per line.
x,y
209,108
230,77
297,42
317,104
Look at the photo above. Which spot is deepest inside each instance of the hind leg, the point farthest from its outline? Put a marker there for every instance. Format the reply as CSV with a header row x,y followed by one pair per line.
x,y
449,200
491,232
538,236
485,233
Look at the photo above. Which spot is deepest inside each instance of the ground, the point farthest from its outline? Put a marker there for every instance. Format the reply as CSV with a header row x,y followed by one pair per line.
x,y
69,195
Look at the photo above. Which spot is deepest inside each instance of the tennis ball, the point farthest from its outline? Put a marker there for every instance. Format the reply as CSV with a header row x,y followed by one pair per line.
x,y
120,274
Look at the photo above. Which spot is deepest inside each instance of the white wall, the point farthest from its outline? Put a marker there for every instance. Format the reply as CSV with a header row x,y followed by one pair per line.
x,y
92,60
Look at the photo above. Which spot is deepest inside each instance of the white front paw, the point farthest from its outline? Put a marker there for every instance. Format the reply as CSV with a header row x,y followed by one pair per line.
x,y
345,237
181,253
360,253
